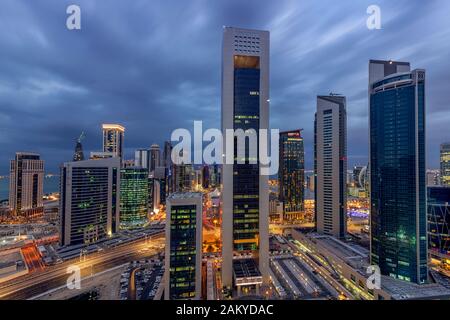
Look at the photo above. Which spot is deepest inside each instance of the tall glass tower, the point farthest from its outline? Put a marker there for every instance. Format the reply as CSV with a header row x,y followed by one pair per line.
x,y
291,174
245,196
183,258
397,170
133,197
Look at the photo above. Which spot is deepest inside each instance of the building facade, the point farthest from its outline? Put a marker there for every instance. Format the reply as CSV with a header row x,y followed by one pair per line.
x,y
26,185
330,150
445,164
438,210
89,200
141,158
397,170
245,105
113,138
291,174
155,157
183,257
133,197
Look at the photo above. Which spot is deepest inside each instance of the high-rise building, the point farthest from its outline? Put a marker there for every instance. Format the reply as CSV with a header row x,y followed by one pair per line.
x,y
113,135
438,203
291,174
398,214
26,185
142,158
215,175
356,176
133,197
205,177
168,163
245,194
445,164
89,200
330,144
183,247
155,157
79,155
433,177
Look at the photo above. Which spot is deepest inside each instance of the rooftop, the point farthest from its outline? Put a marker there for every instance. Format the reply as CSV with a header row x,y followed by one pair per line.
x,y
185,195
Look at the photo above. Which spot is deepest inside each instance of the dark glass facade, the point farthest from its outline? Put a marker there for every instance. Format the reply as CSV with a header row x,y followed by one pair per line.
x,y
133,197
246,175
182,252
291,174
397,176
438,203
89,210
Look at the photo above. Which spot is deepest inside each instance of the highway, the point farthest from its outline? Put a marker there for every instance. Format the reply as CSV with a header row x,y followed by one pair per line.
x,y
30,285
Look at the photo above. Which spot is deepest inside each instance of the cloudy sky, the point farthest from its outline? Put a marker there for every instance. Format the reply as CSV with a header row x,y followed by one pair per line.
x,y
154,66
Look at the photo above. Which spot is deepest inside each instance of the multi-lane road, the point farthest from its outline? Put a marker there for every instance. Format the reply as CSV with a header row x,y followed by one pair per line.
x,y
35,283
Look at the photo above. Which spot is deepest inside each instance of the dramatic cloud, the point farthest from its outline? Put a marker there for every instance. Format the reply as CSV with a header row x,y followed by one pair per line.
x,y
154,66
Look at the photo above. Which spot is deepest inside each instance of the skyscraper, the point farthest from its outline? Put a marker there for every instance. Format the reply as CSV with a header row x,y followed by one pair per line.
x,y
79,155
26,185
168,163
141,158
133,197
89,200
155,157
183,247
330,146
445,164
113,135
291,174
397,170
245,196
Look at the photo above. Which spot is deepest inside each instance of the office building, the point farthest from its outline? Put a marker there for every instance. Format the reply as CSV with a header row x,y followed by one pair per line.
x,y
113,137
330,146
183,247
245,194
155,157
168,163
142,158
291,174
445,164
438,210
398,214
89,200
205,177
133,197
26,185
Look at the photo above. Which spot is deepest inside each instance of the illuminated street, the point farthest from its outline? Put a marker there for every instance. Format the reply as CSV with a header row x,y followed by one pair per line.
x,y
38,282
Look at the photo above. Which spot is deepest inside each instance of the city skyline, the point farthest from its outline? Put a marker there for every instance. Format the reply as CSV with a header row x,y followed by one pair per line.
x,y
38,96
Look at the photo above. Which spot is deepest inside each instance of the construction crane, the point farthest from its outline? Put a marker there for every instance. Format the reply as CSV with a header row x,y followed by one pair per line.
x,y
81,137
